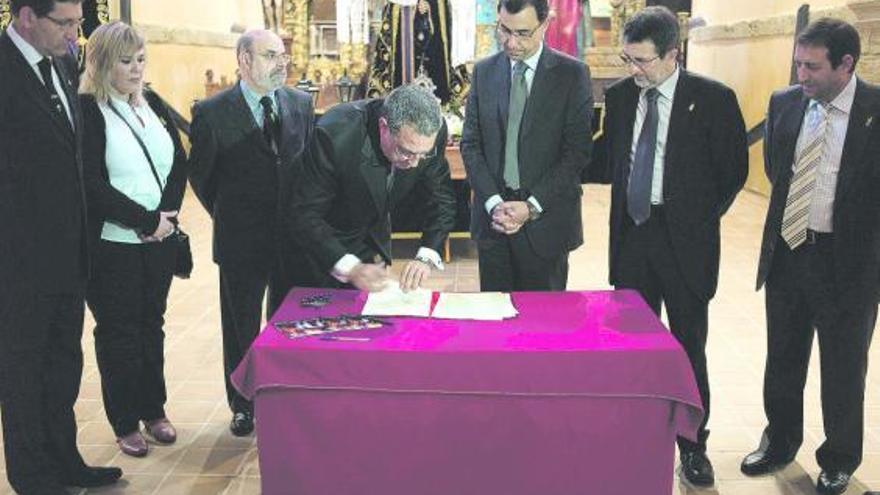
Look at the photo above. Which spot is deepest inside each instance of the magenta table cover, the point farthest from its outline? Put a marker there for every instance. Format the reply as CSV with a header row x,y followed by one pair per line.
x,y
581,390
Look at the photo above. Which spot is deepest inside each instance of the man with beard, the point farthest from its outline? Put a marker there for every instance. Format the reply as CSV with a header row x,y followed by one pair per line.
x,y
246,148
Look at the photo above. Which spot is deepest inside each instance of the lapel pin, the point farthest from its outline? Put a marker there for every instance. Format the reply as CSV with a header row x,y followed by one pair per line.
x,y
869,121
691,108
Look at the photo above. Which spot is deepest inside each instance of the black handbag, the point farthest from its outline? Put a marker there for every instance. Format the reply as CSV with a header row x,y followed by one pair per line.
x,y
183,261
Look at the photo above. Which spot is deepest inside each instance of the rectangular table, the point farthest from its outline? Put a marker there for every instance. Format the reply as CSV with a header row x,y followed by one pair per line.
x,y
583,392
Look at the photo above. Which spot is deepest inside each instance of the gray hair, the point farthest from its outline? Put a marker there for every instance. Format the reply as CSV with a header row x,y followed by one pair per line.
x,y
415,107
245,42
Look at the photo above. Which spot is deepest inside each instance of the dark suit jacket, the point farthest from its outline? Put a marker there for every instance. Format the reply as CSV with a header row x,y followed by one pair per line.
x,y
856,217
554,145
42,201
107,203
706,165
342,205
241,181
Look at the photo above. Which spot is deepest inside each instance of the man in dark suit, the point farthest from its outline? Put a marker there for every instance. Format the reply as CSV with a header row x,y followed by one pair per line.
x,y
366,157
820,256
43,251
675,147
247,143
526,138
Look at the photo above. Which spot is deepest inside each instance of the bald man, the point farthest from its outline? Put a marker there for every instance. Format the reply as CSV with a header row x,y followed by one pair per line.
x,y
247,143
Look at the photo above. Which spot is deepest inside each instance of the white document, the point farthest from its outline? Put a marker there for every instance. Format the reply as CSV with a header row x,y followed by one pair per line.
x,y
391,301
475,306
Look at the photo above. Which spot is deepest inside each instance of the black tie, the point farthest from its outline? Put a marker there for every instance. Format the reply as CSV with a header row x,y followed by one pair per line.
x,y
270,123
638,198
45,67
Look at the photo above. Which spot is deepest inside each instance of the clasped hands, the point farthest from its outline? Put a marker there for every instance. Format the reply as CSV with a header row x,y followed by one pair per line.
x,y
373,278
509,216
166,227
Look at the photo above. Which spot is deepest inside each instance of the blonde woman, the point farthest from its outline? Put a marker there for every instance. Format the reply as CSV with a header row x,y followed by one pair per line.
x,y
135,176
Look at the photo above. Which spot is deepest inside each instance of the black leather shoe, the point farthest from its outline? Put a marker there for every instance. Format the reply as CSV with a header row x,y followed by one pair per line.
x,y
832,482
697,469
762,461
90,477
242,424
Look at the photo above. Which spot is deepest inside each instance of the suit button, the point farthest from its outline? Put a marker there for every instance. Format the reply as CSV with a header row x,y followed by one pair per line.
x,y
278,161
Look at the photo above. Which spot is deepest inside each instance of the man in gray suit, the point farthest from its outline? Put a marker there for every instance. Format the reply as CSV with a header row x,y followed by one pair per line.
x,y
526,138
247,143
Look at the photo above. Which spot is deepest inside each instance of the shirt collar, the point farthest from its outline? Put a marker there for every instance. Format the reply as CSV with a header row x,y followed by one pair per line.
x,y
252,97
532,62
844,101
667,87
30,53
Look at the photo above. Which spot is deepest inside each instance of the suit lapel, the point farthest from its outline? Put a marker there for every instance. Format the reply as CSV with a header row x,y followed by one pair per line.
x,y
629,107
241,117
540,89
34,89
683,106
375,175
501,80
289,127
790,122
861,120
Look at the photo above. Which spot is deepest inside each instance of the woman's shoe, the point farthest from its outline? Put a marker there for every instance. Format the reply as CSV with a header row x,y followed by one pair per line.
x,y
133,444
161,430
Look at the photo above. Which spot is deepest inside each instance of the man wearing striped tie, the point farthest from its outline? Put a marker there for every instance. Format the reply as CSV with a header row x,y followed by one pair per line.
x,y
820,257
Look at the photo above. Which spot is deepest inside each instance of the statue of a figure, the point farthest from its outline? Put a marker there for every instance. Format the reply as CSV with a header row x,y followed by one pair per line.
x,y
273,15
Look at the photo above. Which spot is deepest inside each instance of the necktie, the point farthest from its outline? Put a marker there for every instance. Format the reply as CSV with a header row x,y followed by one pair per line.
x,y
638,194
45,67
271,129
803,180
519,93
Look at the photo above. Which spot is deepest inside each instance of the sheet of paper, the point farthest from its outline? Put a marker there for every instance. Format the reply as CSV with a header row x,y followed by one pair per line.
x,y
475,306
391,301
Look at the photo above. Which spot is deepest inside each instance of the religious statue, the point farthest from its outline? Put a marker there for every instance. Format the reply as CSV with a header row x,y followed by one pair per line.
x,y
414,38
273,15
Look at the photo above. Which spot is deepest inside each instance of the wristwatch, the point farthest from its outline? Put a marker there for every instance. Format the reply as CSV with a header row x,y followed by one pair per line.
x,y
534,213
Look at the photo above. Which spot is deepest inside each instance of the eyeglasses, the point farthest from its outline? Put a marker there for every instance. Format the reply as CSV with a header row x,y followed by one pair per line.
x,y
275,58
66,23
504,33
410,156
641,63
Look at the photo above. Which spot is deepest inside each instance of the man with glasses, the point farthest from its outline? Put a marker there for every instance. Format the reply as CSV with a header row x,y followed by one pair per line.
x,y
247,142
43,250
526,138
366,156
675,150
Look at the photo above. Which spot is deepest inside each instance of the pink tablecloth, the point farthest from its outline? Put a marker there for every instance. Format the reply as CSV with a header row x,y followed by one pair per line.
x,y
584,392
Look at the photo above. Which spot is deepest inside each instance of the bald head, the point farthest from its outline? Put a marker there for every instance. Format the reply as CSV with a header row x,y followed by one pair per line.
x,y
262,62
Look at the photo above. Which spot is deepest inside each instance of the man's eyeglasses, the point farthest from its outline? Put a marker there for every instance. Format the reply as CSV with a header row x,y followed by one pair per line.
x,y
504,33
65,23
410,156
641,63
275,58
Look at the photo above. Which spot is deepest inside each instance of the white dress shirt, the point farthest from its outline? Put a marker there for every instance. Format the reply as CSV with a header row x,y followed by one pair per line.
x,y
822,203
666,95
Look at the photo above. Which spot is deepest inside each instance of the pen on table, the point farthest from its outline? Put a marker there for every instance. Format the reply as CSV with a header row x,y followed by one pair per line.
x,y
346,339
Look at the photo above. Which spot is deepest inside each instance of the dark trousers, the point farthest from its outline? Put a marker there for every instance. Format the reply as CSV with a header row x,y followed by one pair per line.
x,y
510,264
647,263
40,370
802,295
127,295
241,300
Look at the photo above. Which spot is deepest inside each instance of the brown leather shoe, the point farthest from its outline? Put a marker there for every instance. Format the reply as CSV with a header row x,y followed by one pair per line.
x,y
133,444
161,430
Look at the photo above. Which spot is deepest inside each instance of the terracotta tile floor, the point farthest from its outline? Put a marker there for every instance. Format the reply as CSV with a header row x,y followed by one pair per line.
x,y
207,459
